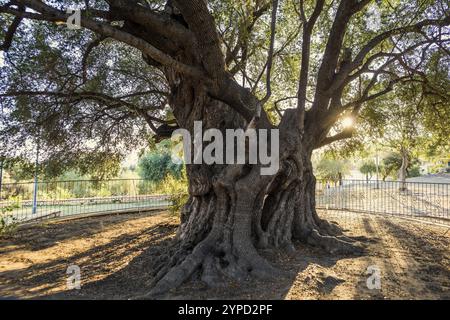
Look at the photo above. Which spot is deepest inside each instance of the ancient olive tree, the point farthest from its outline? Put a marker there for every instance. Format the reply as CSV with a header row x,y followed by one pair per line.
x,y
141,68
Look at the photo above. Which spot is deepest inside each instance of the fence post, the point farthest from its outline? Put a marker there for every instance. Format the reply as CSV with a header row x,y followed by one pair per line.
x,y
1,177
378,170
35,191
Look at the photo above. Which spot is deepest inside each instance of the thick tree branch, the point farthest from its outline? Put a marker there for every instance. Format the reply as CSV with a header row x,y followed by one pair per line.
x,y
304,69
333,48
202,24
52,14
12,30
159,23
345,134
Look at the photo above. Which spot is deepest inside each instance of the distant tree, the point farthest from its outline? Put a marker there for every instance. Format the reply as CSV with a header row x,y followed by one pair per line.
x,y
157,164
331,169
368,168
412,120
390,164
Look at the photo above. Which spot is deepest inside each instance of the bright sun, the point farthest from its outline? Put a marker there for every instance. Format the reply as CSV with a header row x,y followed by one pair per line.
x,y
348,122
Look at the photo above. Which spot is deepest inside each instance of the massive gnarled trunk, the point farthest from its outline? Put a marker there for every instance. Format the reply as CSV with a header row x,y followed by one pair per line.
x,y
233,210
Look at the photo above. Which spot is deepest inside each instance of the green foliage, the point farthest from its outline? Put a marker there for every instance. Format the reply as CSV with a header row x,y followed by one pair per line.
x,y
176,188
390,165
178,201
368,168
8,223
156,165
165,176
414,171
19,169
411,120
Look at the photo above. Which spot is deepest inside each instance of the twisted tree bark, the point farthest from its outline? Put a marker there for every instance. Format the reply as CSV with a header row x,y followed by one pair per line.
x,y
233,210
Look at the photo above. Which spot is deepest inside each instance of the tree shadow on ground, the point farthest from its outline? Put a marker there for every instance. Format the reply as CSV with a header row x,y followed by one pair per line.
x,y
121,269
430,256
134,280
411,261
118,284
46,234
39,279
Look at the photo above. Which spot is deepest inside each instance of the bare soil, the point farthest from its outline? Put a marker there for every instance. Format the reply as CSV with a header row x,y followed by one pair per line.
x,y
116,252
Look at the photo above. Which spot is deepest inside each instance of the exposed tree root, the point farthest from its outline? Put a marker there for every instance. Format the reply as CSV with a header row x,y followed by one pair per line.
x,y
222,226
227,254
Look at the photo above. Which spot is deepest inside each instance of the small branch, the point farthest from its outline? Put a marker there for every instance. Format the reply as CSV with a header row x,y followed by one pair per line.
x,y
242,41
95,43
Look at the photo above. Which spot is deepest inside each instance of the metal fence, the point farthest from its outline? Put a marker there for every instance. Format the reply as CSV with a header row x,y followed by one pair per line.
x,y
414,200
423,201
65,198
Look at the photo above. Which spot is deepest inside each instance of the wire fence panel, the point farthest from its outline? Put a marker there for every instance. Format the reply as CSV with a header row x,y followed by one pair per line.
x,y
66,198
415,200
418,200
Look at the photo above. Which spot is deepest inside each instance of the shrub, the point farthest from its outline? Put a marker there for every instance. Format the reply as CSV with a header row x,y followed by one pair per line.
x,y
414,172
176,188
8,223
178,201
157,164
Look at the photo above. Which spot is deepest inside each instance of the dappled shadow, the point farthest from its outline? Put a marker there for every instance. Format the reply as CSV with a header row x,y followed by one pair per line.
x,y
405,252
41,278
134,278
122,267
44,235
429,254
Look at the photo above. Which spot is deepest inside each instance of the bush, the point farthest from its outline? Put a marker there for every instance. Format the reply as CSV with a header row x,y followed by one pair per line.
x,y
8,223
157,164
178,201
414,172
176,188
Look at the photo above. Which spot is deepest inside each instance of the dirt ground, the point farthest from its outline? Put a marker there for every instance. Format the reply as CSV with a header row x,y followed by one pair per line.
x,y
115,253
